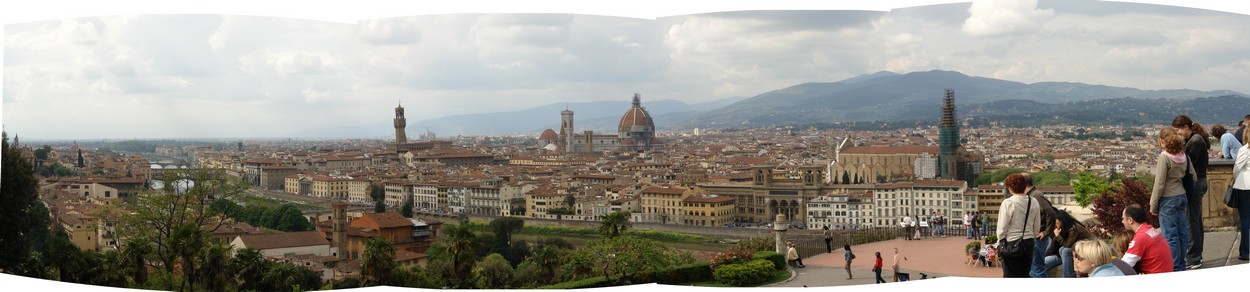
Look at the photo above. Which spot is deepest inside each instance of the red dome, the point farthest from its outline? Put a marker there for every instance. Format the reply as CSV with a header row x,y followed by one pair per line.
x,y
634,117
548,135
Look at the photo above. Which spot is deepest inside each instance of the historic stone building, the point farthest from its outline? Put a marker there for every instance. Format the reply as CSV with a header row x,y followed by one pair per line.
x,y
635,133
771,193
880,164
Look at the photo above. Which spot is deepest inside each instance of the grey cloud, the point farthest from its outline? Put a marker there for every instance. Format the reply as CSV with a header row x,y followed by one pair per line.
x,y
390,31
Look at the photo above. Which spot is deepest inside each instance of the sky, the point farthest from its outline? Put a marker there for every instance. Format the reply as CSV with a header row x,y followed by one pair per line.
x,y
82,70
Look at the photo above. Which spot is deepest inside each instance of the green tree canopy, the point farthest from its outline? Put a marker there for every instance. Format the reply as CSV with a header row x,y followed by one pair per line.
x,y
20,210
614,224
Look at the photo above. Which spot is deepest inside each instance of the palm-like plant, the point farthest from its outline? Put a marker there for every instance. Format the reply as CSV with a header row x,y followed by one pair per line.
x,y
614,224
463,255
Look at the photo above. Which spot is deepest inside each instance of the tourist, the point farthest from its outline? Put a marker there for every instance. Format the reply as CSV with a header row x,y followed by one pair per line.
x,y
1241,189
985,223
907,227
968,224
828,240
915,225
973,253
975,227
942,224
1018,220
1241,130
1093,257
1228,143
1196,145
792,255
933,224
1044,237
1067,232
1120,243
876,268
849,256
1148,250
1168,198
896,268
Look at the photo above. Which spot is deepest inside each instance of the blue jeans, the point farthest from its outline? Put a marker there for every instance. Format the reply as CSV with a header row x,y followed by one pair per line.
x,y
1065,256
1174,220
1038,269
968,230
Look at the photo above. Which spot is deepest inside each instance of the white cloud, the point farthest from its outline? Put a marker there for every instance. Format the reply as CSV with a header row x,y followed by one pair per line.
x,y
1005,17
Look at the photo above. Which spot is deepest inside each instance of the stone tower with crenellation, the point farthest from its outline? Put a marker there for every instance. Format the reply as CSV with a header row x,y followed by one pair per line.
x,y
400,123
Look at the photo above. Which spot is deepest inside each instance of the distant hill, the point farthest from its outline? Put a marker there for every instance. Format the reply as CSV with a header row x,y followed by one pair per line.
x,y
886,96
1208,111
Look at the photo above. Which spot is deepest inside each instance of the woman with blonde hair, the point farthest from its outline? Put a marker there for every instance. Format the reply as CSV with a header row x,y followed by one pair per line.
x,y
1093,257
1168,198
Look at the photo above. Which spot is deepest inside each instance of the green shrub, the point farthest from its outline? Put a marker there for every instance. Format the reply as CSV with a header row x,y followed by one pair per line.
x,y
974,244
594,282
730,256
741,275
757,244
695,272
779,262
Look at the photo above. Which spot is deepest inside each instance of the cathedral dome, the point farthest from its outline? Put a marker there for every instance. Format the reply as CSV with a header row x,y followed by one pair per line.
x,y
636,116
549,134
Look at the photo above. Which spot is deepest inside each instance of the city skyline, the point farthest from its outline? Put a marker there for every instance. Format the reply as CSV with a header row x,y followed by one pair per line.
x,y
245,76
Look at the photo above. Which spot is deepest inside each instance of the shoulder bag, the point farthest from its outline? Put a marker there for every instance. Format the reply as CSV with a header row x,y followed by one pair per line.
x,y
1016,248
1230,195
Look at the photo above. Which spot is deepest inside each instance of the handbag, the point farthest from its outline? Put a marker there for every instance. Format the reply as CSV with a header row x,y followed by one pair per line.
x,y
1016,248
1230,195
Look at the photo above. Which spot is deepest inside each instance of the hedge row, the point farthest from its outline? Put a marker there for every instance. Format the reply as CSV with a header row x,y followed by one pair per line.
x,y
742,275
779,262
556,230
594,282
695,272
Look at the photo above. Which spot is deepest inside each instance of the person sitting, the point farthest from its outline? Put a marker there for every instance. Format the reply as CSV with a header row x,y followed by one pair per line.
x,y
974,255
1148,250
1093,257
991,254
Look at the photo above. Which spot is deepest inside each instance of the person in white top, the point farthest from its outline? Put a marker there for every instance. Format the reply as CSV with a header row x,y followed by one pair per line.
x,y
907,227
896,267
1241,189
968,224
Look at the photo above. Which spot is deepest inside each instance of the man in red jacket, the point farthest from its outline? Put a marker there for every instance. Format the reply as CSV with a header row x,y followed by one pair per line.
x,y
1149,250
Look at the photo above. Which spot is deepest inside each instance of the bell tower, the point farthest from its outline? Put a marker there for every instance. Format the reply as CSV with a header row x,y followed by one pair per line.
x,y
400,123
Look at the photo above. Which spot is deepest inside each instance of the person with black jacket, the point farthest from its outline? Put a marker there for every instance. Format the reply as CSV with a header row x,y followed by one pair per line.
x,y
1044,236
1196,145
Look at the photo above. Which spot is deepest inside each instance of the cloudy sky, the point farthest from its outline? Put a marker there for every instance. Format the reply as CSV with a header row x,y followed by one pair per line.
x,y
230,73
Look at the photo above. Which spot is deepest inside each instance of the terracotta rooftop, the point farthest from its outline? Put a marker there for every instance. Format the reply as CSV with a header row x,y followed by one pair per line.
x,y
384,220
284,240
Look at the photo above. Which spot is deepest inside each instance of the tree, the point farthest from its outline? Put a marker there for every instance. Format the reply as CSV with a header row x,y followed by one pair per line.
x,y
177,217
503,228
619,259
494,272
248,268
1087,187
20,209
1109,207
462,255
614,224
378,261
406,209
570,201
379,206
377,192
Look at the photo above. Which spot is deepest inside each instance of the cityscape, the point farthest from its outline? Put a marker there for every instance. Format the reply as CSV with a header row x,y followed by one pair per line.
x,y
293,165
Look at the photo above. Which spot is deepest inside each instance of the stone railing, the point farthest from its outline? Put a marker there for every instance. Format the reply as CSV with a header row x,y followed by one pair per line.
x,y
1214,213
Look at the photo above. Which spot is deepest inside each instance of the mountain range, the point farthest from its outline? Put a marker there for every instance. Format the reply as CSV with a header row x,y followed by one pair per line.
x,y
879,100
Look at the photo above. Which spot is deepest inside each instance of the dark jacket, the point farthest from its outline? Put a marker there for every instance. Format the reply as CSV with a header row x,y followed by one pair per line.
x,y
1196,147
1048,211
1078,232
